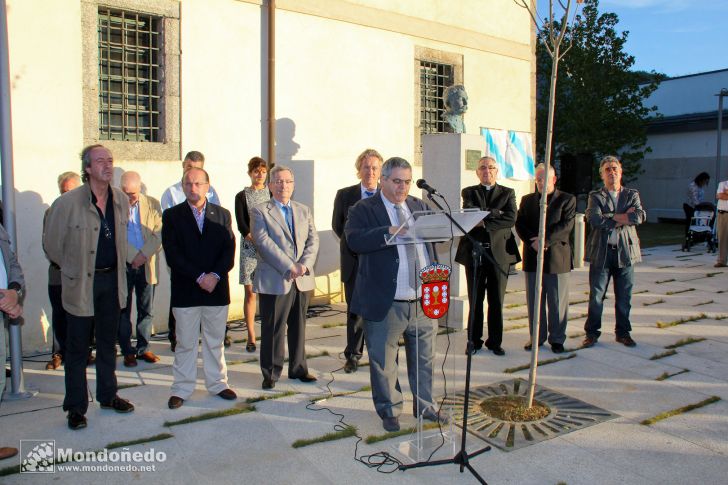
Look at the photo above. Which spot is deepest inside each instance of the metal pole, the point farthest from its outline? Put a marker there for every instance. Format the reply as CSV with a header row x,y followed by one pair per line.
x,y
17,389
271,82
723,92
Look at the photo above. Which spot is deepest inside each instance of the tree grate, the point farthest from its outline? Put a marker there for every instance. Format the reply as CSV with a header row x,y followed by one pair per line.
x,y
567,414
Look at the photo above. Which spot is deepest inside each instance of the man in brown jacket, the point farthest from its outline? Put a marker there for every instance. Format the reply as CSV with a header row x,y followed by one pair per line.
x,y
144,238
85,236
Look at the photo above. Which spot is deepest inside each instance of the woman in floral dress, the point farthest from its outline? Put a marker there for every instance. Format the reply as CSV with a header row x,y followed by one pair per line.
x,y
245,200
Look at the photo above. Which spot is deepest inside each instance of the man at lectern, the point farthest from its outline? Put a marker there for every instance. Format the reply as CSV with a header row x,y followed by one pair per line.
x,y
387,295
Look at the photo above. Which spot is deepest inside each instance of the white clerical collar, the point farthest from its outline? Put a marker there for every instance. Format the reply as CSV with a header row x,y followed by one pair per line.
x,y
488,187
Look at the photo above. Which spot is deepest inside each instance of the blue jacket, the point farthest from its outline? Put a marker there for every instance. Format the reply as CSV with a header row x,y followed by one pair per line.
x,y
376,281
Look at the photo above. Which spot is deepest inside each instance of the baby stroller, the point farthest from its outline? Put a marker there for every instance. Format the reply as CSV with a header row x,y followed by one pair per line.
x,y
702,227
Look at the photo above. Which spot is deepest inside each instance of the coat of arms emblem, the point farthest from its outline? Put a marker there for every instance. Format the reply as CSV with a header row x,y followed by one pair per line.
x,y
435,290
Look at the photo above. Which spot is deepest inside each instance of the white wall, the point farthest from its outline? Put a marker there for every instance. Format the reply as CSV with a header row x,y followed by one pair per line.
x,y
342,86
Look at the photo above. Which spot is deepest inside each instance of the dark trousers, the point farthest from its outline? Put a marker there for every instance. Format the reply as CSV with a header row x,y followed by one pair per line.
x,y
136,283
354,325
277,312
689,213
623,279
78,339
58,320
491,281
171,325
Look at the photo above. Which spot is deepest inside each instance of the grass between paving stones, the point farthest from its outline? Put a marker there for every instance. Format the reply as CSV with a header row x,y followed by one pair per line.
x,y
149,439
680,321
517,317
638,292
577,335
684,409
659,282
515,327
238,409
127,386
666,375
666,266
346,432
376,438
708,302
244,340
656,302
330,395
662,355
710,275
576,317
515,305
244,361
333,325
677,292
446,330
578,302
268,397
511,370
684,341
323,353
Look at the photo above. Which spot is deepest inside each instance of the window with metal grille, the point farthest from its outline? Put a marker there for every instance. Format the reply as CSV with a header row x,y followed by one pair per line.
x,y
129,75
434,78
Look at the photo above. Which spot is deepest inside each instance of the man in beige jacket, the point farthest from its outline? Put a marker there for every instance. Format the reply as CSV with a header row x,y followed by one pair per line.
x,y
85,236
144,238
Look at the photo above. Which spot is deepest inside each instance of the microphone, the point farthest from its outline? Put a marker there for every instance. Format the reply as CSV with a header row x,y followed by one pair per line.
x,y
422,184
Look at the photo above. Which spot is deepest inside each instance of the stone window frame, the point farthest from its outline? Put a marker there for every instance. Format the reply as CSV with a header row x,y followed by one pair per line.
x,y
440,57
169,147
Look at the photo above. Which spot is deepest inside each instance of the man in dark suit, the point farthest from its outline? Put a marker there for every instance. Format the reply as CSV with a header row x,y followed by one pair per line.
x,y
287,244
387,295
494,232
557,261
198,241
368,167
612,250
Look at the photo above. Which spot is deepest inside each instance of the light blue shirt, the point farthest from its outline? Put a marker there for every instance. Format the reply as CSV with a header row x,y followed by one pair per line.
x,y
134,227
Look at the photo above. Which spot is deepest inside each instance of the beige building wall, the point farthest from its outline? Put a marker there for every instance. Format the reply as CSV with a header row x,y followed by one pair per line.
x,y
345,82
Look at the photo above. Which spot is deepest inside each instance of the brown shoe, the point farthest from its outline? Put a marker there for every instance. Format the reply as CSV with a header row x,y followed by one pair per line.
x,y
626,341
720,265
148,357
7,452
227,394
175,402
589,341
130,360
55,362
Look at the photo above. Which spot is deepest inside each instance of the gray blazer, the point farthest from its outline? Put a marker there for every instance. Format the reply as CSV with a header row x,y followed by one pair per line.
x,y
276,253
600,212
16,281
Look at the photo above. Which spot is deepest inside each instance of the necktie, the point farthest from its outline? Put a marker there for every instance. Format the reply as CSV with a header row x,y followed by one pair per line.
x,y
409,248
368,194
289,222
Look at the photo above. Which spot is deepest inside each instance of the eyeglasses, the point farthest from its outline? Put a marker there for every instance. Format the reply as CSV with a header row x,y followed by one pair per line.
x,y
283,182
400,181
196,184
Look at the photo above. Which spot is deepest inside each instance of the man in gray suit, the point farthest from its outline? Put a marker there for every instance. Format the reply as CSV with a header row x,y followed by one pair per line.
x,y
612,250
12,284
287,244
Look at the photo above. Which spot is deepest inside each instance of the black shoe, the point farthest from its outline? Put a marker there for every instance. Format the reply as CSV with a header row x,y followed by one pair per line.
x,y
589,341
268,384
476,347
351,365
497,350
227,394
173,345
305,378
626,341
390,424
76,420
557,348
119,405
227,342
175,402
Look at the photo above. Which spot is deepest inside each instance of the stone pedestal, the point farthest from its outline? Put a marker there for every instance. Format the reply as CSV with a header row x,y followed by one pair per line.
x,y
449,161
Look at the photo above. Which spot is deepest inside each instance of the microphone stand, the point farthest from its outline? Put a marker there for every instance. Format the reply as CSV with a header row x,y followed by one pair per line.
x,y
462,458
